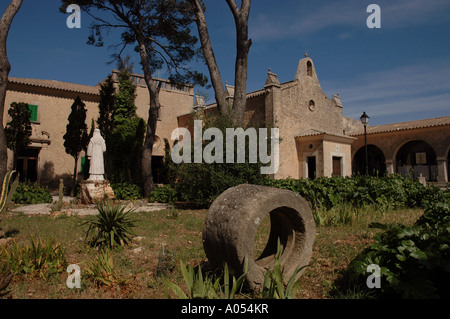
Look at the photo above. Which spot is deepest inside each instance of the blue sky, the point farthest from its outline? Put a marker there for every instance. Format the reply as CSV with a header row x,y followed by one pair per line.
x,y
400,72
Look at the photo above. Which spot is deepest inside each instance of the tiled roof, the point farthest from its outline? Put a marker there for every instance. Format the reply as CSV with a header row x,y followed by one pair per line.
x,y
438,121
57,85
313,132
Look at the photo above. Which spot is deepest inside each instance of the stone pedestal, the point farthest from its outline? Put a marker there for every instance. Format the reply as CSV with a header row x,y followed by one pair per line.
x,y
93,191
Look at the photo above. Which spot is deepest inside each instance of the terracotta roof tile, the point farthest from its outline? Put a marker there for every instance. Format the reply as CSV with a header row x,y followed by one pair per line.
x,y
57,85
438,121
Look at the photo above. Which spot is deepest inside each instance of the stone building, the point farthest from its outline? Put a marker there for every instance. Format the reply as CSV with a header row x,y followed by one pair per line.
x,y
45,160
316,139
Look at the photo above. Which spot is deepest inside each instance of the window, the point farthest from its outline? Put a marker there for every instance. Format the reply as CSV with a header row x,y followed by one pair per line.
x,y
309,68
312,105
83,164
34,111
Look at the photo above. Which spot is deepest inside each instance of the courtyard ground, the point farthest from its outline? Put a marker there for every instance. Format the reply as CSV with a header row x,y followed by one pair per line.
x,y
179,234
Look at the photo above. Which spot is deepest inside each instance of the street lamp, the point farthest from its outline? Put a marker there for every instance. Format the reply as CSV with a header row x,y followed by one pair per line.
x,y
365,121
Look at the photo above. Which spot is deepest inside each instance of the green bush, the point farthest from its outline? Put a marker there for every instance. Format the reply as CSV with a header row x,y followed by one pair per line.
x,y
386,192
32,193
414,261
163,194
126,191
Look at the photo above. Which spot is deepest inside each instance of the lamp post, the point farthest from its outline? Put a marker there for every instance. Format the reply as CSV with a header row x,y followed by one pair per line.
x,y
365,121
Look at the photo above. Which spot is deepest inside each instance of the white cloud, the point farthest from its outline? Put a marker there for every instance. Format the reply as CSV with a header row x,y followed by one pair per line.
x,y
301,20
408,89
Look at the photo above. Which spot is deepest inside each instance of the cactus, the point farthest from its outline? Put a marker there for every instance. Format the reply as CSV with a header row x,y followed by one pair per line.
x,y
56,207
8,192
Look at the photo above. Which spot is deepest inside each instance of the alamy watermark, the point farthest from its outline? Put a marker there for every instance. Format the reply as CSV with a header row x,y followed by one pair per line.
x,y
74,20
374,20
74,278
374,280
213,152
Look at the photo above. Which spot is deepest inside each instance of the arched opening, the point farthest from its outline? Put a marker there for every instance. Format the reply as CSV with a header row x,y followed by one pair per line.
x,y
312,105
448,166
309,71
415,159
376,161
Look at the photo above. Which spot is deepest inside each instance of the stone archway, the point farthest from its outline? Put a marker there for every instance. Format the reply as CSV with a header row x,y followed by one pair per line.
x,y
417,158
448,165
376,161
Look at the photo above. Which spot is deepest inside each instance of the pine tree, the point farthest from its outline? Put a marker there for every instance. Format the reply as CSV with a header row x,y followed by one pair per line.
x,y
76,137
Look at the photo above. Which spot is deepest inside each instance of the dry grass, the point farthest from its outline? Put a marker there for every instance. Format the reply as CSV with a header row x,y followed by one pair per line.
x,y
180,233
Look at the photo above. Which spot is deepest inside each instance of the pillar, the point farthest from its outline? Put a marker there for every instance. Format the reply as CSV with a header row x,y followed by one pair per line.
x,y
442,170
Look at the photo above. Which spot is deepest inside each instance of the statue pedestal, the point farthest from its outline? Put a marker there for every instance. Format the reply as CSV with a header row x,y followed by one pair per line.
x,y
93,191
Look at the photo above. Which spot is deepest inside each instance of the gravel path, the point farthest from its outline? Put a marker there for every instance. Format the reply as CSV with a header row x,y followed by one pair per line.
x,y
45,209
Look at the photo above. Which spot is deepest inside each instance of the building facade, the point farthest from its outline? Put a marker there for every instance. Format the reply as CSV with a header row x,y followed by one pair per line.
x,y
45,160
316,139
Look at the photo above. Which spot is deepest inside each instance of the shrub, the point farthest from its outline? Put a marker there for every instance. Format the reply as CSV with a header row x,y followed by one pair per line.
x,y
126,191
103,272
37,259
414,260
202,183
32,193
207,287
163,194
386,192
111,227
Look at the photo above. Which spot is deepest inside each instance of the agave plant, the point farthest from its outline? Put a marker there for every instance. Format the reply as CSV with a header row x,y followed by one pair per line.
x,y
111,227
8,192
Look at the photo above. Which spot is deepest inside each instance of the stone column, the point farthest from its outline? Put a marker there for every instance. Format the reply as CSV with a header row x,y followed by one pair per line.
x,y
390,167
442,170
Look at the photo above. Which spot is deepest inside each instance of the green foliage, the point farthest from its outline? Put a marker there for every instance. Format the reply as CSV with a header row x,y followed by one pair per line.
x,y
102,271
8,190
202,183
389,192
18,130
164,194
112,227
274,287
32,193
199,287
76,137
414,261
126,191
125,143
37,259
106,107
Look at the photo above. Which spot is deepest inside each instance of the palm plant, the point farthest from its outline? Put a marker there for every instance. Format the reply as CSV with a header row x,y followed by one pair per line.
x,y
111,227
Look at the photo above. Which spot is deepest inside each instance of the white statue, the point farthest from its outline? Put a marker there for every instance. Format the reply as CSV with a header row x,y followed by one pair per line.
x,y
96,148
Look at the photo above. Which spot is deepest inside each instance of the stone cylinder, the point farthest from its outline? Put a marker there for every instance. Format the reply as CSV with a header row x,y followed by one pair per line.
x,y
233,220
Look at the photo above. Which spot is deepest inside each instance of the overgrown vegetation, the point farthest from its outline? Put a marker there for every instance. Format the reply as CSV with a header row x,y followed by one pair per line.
x,y
414,260
38,258
126,191
32,193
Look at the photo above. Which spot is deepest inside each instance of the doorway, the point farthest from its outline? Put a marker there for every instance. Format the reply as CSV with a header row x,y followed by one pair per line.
x,y
27,162
311,167
337,170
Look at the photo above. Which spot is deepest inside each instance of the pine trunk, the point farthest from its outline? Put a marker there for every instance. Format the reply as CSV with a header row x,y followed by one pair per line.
x,y
5,67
